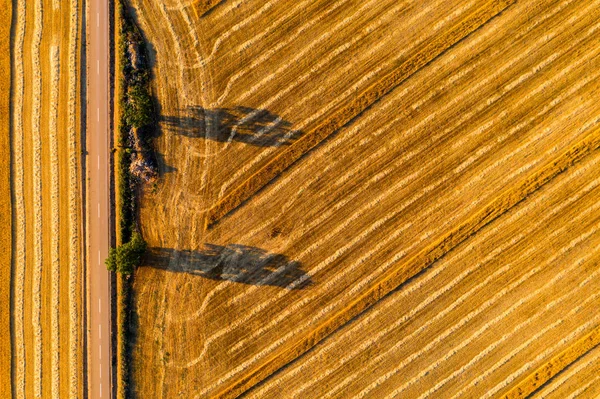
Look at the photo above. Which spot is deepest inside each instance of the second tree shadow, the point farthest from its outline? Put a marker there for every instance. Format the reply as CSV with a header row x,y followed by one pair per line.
x,y
234,262
251,126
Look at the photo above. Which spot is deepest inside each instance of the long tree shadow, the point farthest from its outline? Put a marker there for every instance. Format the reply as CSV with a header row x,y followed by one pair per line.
x,y
251,126
234,262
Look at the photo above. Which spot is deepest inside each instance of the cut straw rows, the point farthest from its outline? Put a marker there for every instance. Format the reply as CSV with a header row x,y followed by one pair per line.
x,y
496,299
352,171
239,172
324,312
308,49
73,202
431,298
563,359
401,272
276,24
356,128
55,221
520,348
323,62
37,198
374,227
19,196
360,261
524,146
552,367
486,327
177,52
203,6
234,29
532,340
493,255
352,109
591,359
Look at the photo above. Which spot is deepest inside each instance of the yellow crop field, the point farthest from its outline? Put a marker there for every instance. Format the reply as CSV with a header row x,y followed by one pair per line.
x,y
370,199
45,136
582,379
5,202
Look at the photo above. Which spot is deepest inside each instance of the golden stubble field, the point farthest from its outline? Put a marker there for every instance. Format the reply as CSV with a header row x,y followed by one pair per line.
x,y
370,199
5,201
47,314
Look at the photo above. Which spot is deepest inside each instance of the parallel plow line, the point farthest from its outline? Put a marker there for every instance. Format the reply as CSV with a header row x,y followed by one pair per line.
x,y
397,231
447,288
349,111
402,272
530,383
55,221
591,360
293,175
36,311
19,196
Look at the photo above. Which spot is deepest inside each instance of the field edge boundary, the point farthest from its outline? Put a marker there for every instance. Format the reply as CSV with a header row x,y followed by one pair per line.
x,y
348,112
398,275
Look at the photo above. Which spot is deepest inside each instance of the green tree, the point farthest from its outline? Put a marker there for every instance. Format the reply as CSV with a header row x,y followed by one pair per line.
x,y
138,109
111,261
126,257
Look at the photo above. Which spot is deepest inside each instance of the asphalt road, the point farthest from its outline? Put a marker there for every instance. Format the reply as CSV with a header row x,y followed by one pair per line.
x,y
98,147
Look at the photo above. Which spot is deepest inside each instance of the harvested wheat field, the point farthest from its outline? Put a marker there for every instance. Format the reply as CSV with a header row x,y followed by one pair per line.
x,y
5,202
47,283
371,199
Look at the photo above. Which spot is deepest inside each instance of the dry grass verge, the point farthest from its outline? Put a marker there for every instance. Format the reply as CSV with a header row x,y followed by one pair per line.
x,y
5,203
554,366
351,110
404,271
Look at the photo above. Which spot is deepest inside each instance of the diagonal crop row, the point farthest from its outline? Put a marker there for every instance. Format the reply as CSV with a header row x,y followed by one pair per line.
x,y
351,110
545,372
400,273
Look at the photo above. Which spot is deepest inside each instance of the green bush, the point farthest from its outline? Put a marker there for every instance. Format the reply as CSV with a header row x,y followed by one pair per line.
x,y
124,258
138,108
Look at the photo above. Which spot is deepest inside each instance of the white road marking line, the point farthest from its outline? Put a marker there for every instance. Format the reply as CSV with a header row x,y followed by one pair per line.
x,y
98,67
99,331
100,389
98,113
99,306
98,161
100,353
98,209
98,19
98,263
100,373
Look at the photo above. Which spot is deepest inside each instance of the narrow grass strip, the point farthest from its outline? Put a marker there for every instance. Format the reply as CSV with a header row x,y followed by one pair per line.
x,y
402,272
346,113
545,372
